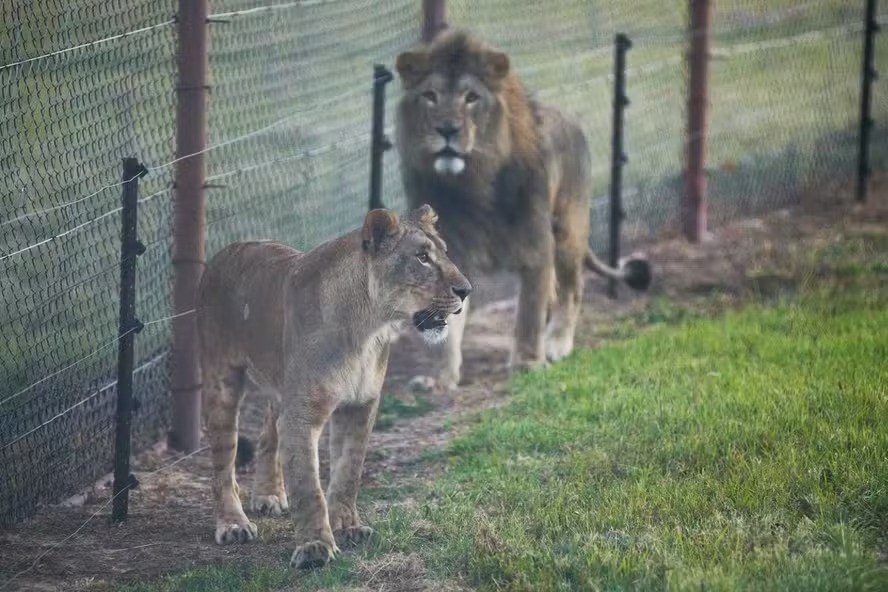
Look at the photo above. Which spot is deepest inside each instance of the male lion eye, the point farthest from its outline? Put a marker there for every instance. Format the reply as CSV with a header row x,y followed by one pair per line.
x,y
472,97
430,96
423,257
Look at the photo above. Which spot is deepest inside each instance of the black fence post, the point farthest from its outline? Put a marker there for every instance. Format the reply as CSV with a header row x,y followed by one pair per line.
x,y
379,142
130,248
867,76
622,44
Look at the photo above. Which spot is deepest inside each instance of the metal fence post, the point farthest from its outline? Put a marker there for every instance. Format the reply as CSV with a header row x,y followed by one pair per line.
x,y
434,18
129,325
189,219
379,142
622,44
693,207
867,76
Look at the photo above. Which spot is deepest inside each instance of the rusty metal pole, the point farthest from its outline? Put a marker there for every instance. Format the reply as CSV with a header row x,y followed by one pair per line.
x,y
693,207
189,220
434,18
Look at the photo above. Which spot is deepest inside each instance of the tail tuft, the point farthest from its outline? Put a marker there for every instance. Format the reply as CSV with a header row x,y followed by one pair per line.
x,y
246,452
638,274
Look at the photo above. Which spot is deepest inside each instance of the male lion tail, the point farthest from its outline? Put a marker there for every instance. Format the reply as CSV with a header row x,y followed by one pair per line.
x,y
635,272
246,451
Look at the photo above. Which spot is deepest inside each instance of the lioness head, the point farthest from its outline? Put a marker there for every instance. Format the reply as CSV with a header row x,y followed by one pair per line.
x,y
410,271
452,108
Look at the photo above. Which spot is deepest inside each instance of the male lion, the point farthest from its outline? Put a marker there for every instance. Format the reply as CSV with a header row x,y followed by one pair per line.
x,y
314,328
510,180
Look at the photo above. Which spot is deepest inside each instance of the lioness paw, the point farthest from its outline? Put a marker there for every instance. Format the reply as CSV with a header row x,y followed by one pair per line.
x,y
312,555
353,536
270,505
228,532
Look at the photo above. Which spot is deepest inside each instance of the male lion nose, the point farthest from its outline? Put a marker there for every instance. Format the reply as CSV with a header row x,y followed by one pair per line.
x,y
448,131
461,292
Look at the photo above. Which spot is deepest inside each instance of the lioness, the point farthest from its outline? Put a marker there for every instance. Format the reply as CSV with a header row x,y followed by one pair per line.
x,y
314,328
510,180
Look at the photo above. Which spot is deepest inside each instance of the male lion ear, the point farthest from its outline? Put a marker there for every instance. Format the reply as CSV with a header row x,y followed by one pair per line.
x,y
379,225
497,64
411,66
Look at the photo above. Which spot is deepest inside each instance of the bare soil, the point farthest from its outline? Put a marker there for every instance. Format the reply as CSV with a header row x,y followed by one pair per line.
x,y
170,524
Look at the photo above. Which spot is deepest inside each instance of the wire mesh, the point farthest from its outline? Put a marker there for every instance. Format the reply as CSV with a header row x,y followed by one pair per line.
x,y
80,90
304,74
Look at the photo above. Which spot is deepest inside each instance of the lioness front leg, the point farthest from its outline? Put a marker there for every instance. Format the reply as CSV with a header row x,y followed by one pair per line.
x,y
299,447
350,429
533,301
269,495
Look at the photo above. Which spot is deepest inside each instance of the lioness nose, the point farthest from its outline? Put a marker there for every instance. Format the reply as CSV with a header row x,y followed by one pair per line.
x,y
461,292
448,130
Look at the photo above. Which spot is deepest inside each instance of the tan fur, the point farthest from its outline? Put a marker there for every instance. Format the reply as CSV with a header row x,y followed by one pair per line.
x,y
314,328
511,186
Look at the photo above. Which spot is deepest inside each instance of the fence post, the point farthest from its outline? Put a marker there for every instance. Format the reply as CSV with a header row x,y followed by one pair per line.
x,y
189,219
622,44
379,142
434,18
693,207
129,325
867,76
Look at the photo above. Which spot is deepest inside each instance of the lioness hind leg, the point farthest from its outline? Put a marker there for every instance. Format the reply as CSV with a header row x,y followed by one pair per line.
x,y
566,308
269,494
350,428
222,392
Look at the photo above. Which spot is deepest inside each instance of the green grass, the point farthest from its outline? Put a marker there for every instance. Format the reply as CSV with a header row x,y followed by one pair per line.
x,y
739,453
392,408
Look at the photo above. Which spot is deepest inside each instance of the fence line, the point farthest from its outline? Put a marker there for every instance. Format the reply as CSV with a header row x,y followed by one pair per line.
x,y
95,353
91,44
218,16
95,394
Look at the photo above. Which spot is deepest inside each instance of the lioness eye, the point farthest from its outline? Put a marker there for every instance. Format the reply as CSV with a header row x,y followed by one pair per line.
x,y
423,257
472,96
430,96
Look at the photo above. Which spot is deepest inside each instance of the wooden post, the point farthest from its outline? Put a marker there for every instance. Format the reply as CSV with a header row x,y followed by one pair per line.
x,y
693,207
434,18
189,220
129,325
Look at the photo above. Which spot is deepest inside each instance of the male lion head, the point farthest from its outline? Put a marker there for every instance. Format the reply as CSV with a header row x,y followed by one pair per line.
x,y
453,108
410,271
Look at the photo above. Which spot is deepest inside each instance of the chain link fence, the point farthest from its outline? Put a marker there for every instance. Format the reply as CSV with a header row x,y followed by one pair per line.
x,y
84,84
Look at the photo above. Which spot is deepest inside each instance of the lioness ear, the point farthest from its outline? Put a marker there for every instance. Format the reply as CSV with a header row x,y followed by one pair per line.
x,y
497,64
424,215
379,224
411,66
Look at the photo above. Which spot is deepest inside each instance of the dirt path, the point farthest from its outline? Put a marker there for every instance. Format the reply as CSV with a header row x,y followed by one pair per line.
x,y
169,529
